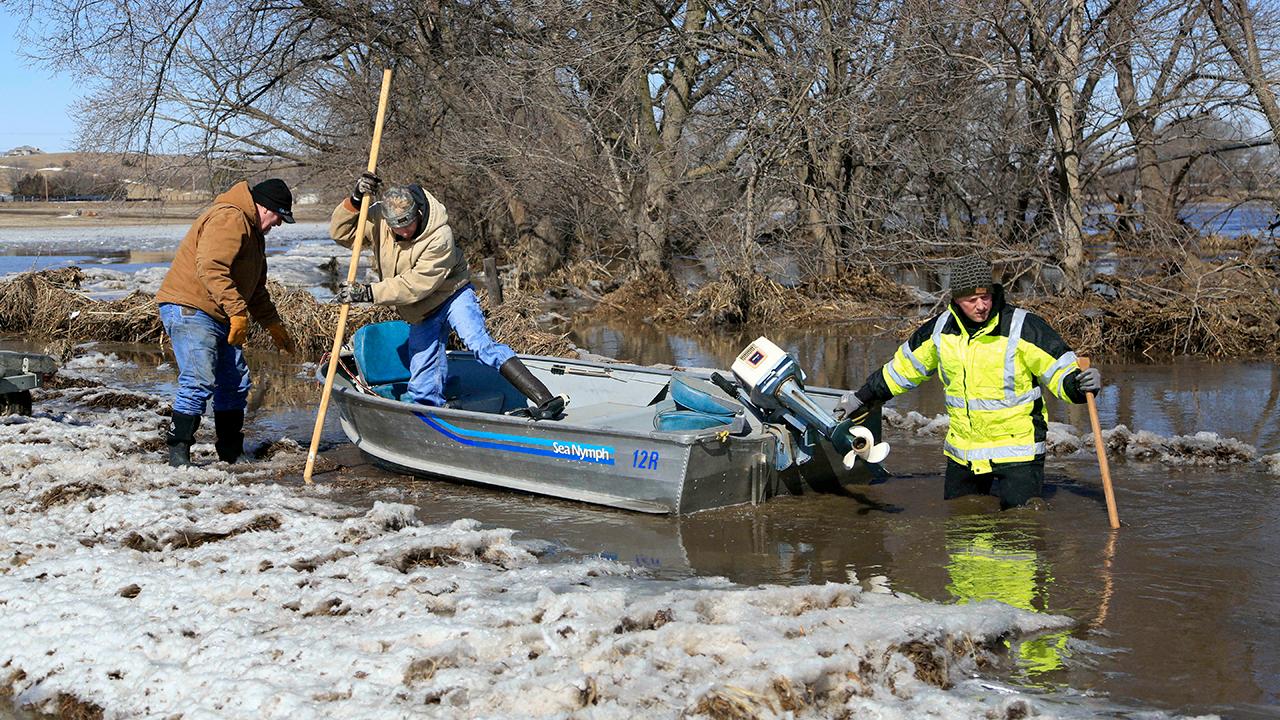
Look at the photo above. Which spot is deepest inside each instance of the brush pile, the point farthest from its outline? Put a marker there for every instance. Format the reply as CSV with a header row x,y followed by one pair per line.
x,y
1224,310
739,298
48,305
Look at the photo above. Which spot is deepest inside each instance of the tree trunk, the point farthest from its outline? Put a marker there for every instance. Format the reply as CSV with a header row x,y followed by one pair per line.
x,y
1157,206
1070,207
1244,53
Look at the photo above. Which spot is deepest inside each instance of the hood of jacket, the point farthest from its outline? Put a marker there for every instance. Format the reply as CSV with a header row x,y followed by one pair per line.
x,y
239,196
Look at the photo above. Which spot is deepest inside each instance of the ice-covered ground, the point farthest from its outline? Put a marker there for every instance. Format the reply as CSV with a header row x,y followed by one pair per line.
x,y
119,259
87,238
311,264
207,592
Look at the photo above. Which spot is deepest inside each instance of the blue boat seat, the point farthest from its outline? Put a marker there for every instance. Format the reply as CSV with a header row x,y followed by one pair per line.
x,y
382,354
699,405
698,395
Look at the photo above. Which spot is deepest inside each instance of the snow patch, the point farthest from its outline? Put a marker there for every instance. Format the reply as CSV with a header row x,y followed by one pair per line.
x,y
148,591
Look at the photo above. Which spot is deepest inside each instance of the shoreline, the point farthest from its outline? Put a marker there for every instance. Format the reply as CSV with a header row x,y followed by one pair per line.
x,y
40,215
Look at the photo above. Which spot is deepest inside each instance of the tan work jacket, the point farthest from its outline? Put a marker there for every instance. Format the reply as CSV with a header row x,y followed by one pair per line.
x,y
417,274
221,264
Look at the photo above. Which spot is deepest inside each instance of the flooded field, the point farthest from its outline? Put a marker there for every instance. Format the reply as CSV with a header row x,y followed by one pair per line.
x,y
1178,610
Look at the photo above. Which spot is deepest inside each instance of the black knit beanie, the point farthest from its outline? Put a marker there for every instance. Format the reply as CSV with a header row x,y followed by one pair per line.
x,y
970,273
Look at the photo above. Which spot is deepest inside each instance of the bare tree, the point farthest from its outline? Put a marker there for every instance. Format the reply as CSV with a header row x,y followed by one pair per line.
x,y
1236,23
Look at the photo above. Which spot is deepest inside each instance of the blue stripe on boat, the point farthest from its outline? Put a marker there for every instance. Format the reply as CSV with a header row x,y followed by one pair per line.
x,y
564,449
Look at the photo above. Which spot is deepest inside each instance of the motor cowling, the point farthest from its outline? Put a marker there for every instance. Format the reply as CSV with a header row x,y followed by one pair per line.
x,y
774,381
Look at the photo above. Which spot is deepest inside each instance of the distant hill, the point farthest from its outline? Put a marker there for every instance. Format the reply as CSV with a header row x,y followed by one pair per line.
x,y
169,178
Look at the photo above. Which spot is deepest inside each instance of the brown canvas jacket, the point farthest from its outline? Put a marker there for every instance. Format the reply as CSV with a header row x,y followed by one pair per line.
x,y
418,274
221,265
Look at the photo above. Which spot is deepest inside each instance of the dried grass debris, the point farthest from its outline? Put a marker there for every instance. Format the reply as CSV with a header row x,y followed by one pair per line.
x,y
47,304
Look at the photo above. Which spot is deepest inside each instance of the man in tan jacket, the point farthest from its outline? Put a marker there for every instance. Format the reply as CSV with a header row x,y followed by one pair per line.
x,y
218,279
425,277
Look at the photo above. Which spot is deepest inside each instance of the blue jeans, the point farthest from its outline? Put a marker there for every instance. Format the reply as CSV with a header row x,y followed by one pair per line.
x,y
207,365
428,364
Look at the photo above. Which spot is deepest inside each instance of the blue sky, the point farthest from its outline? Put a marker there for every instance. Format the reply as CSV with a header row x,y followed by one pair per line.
x,y
36,101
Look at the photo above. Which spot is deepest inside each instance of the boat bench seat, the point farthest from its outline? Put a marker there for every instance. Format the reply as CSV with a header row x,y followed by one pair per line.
x,y
612,415
641,418
475,401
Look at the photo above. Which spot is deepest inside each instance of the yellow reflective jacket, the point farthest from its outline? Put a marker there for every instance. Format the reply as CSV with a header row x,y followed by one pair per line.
x,y
992,376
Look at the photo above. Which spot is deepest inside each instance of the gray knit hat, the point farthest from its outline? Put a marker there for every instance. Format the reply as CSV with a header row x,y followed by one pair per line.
x,y
399,207
969,274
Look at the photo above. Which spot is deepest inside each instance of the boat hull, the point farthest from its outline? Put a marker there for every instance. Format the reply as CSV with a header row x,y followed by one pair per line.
x,y
606,452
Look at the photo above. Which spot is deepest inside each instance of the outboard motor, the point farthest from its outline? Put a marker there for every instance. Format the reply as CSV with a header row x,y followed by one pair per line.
x,y
774,381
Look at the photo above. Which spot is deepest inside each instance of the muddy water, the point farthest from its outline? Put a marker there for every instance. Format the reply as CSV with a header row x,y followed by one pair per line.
x,y
1179,610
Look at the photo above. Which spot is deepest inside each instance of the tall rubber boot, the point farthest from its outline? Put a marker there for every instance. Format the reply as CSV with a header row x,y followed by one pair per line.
x,y
229,425
181,436
546,405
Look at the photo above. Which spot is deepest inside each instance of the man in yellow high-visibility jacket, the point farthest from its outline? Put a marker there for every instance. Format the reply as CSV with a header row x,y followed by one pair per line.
x,y
993,359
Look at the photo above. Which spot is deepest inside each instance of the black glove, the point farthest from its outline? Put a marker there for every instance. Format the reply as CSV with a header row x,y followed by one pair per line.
x,y
365,184
849,406
1089,381
356,292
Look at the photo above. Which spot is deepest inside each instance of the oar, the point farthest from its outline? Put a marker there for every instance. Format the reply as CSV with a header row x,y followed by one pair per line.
x,y
351,277
1102,452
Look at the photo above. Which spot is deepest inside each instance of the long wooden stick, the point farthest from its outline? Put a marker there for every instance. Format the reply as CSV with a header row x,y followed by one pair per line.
x,y
1102,452
341,330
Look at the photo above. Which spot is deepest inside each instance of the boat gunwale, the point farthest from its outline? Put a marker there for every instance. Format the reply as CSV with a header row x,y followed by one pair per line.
x,y
752,430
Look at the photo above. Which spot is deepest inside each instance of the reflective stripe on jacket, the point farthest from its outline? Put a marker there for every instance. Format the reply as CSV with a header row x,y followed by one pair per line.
x,y
992,379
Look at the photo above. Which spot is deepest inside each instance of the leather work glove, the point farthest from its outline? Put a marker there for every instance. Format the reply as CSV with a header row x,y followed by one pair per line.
x,y
849,407
1089,381
280,336
356,292
365,184
239,330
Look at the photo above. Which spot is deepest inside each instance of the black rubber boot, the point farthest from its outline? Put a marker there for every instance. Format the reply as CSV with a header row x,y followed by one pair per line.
x,y
181,436
229,425
546,405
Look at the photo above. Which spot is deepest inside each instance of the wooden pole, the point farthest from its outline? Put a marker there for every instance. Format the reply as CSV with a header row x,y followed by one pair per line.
x,y
341,330
1102,453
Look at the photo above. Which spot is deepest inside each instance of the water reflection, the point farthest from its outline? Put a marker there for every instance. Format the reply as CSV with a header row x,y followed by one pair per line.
x,y
994,559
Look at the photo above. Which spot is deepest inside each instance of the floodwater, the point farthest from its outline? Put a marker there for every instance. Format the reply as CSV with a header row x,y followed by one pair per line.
x,y
1179,610
126,248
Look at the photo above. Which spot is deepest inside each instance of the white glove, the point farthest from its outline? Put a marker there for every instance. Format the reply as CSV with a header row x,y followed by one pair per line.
x,y
848,407
1089,380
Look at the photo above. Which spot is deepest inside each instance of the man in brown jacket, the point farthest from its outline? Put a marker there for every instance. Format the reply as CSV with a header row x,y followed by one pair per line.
x,y
425,277
218,279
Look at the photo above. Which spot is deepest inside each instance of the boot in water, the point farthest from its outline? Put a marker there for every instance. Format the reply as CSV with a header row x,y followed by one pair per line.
x,y
229,424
